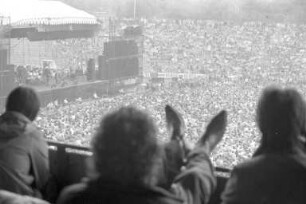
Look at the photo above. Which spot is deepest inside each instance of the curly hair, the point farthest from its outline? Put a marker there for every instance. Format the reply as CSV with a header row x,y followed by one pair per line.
x,y
281,118
125,148
23,100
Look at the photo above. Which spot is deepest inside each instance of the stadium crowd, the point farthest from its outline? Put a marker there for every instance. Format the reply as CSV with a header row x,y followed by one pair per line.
x,y
198,46
39,76
204,46
128,162
238,62
71,56
74,121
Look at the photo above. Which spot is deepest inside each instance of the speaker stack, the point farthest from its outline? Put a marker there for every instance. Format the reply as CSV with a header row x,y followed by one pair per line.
x,y
3,59
90,69
120,59
7,75
102,67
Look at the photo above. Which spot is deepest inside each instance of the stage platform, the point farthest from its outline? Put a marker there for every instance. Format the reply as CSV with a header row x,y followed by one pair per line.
x,y
82,90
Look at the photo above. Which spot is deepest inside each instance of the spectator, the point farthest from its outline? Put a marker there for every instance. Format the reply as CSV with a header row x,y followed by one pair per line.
x,y
128,162
24,164
277,171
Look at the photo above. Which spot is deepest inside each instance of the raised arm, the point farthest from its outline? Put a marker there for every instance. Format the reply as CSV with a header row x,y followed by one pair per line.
x,y
197,182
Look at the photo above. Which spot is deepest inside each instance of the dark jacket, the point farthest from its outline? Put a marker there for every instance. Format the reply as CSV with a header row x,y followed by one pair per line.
x,y
13,198
270,179
24,164
194,185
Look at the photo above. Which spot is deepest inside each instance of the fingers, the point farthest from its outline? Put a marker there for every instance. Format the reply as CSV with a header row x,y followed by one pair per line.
x,y
175,122
218,123
214,131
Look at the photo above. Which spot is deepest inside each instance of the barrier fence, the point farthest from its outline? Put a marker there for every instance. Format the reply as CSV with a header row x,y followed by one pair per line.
x,y
170,75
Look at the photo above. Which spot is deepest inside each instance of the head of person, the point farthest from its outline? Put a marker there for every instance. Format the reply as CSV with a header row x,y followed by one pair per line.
x,y
281,118
23,100
125,148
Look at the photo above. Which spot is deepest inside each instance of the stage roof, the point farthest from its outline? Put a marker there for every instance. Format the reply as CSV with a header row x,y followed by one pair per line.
x,y
40,12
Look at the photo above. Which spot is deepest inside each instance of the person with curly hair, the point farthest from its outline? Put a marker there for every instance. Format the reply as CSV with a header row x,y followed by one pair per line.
x,y
129,163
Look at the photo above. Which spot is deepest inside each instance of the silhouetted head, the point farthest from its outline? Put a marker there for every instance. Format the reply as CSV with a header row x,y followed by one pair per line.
x,y
125,148
23,100
281,119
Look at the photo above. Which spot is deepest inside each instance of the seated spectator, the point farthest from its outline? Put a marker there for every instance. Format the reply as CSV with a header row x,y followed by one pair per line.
x,y
7,197
24,163
277,171
128,163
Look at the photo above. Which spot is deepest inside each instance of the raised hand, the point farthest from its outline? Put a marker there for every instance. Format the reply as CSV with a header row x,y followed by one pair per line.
x,y
175,123
214,131
176,149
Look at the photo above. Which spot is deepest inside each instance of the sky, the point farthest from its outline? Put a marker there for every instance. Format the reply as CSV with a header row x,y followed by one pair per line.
x,y
289,9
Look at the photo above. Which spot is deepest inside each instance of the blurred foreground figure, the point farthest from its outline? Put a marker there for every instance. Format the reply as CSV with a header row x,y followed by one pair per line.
x,y
277,171
129,163
24,164
7,197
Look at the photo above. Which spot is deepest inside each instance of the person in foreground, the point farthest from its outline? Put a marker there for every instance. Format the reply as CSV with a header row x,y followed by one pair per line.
x,y
129,163
7,197
277,171
24,163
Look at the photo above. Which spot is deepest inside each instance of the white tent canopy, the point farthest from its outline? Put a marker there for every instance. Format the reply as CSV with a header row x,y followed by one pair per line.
x,y
39,12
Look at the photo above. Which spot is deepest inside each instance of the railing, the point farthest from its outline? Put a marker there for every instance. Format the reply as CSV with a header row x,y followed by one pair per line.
x,y
170,75
63,155
61,147
222,170
68,166
67,163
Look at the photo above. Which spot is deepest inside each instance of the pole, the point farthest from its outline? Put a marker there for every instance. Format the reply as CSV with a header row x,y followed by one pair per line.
x,y
135,4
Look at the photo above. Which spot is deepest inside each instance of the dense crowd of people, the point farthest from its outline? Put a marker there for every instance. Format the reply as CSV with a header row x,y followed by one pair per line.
x,y
129,164
50,77
74,121
204,46
197,46
197,99
237,62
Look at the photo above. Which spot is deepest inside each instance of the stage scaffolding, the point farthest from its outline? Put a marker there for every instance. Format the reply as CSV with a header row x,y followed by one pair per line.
x,y
5,30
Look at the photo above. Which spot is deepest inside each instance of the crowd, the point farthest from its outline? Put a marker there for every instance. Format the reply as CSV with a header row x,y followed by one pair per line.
x,y
73,122
70,57
129,164
237,63
74,53
50,77
204,46
198,46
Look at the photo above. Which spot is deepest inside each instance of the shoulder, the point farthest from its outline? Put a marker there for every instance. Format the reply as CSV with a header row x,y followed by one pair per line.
x,y
266,160
37,143
270,166
35,134
33,130
260,161
251,162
